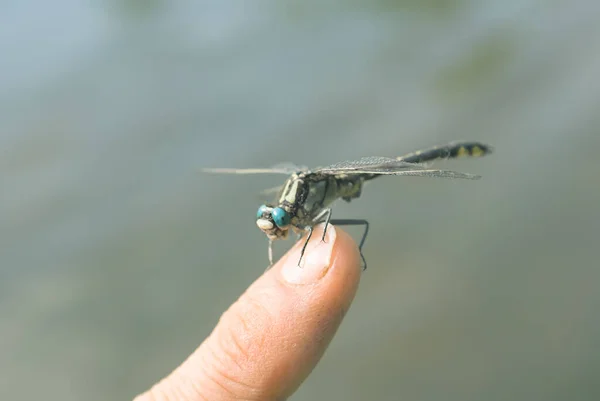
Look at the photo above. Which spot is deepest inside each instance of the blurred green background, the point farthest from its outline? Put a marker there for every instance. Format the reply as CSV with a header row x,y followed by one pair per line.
x,y
117,256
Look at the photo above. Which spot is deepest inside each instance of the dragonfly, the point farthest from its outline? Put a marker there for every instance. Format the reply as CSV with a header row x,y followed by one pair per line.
x,y
306,197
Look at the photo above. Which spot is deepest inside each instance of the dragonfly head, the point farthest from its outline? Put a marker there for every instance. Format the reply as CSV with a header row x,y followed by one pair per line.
x,y
273,221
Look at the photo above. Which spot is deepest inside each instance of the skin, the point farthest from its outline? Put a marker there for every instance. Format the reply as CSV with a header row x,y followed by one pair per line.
x,y
272,337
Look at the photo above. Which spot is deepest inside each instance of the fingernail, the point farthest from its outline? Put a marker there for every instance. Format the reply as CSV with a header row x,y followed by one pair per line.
x,y
316,259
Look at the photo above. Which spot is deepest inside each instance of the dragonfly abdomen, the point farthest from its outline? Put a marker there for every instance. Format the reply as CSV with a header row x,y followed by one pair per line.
x,y
450,151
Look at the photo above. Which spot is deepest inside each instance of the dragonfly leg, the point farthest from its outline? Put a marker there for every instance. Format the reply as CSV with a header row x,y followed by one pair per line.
x,y
355,222
327,220
310,231
270,253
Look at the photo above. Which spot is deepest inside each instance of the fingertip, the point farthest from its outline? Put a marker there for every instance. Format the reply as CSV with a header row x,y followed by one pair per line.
x,y
287,318
268,341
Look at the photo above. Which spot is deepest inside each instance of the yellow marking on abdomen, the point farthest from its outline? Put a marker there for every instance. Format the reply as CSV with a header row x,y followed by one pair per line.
x,y
476,151
462,152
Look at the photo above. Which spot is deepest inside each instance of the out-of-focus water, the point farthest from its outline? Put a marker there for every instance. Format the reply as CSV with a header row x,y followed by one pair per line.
x,y
117,257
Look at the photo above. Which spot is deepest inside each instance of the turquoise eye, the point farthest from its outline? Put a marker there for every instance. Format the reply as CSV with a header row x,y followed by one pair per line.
x,y
280,217
261,210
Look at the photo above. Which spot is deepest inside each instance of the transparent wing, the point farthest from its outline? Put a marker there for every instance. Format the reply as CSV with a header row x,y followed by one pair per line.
x,y
425,173
368,163
389,166
245,171
284,168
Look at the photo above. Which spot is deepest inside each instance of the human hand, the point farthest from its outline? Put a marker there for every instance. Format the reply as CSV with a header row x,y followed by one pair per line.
x,y
272,337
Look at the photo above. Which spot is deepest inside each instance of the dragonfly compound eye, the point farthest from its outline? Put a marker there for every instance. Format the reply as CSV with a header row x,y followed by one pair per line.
x,y
280,217
261,211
